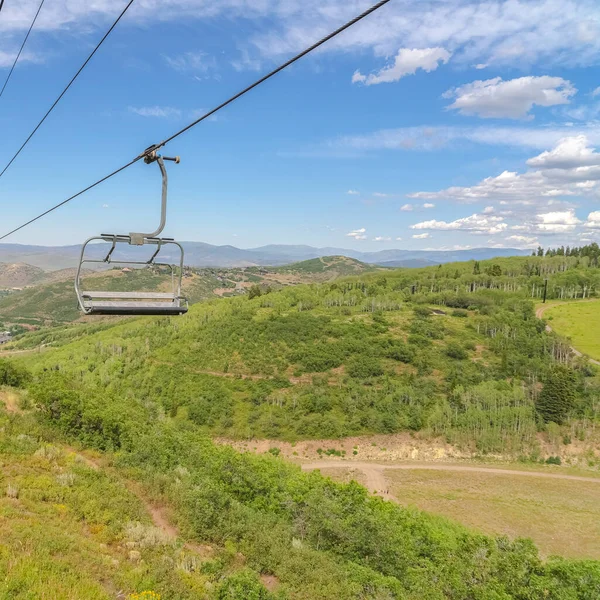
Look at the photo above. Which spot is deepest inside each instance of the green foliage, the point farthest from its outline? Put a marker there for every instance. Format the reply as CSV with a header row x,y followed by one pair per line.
x,y
243,585
558,395
254,292
13,375
456,351
363,367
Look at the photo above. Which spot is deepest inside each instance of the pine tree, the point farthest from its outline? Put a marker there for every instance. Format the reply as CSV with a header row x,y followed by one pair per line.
x,y
558,395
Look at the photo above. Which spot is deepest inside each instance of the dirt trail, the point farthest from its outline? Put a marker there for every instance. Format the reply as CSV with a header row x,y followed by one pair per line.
x,y
539,313
376,480
158,514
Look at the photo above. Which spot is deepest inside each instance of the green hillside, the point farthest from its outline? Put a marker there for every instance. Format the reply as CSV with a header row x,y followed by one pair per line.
x,y
362,355
251,521
336,266
453,351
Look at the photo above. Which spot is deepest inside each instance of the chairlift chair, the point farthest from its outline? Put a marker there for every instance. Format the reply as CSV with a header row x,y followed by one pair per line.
x,y
136,303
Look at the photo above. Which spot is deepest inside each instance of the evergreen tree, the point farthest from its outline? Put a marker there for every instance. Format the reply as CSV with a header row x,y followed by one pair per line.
x,y
558,395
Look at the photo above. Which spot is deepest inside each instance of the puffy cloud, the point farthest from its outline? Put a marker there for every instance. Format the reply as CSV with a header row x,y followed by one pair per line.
x,y
353,193
488,210
382,238
407,207
421,236
596,92
570,153
523,241
593,220
428,205
407,62
513,99
398,239
164,112
479,224
535,187
357,234
380,195
557,222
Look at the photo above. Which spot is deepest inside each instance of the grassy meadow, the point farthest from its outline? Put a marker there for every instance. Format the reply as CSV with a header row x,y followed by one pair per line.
x,y
580,322
561,516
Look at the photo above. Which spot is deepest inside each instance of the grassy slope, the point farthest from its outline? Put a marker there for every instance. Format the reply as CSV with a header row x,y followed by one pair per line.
x,y
67,530
579,321
208,351
561,516
316,540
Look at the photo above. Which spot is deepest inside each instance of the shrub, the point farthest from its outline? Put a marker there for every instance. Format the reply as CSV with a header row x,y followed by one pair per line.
x,y
243,585
362,367
457,312
453,350
401,352
13,375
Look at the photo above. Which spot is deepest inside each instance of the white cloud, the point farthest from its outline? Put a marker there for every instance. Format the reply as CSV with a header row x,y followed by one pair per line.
x,y
357,234
8,58
382,238
164,112
557,222
428,205
479,224
407,62
517,33
488,210
571,152
380,195
523,241
535,188
353,193
421,236
435,137
513,99
407,207
596,92
191,62
105,206
398,239
593,220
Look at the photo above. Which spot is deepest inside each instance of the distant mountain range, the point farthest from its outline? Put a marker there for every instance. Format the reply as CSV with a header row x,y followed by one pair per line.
x,y
199,254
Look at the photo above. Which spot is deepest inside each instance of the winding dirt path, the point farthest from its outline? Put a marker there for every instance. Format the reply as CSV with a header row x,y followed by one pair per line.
x,y
376,480
539,313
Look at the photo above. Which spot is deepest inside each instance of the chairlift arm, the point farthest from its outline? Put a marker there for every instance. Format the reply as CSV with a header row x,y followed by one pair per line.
x,y
138,238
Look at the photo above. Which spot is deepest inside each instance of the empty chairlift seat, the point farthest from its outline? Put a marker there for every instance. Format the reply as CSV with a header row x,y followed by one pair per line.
x,y
106,302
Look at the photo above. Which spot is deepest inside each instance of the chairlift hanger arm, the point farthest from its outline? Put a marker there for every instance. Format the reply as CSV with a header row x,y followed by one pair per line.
x,y
137,239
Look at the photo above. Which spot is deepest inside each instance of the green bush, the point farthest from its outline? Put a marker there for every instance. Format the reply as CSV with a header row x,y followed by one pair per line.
x,y
243,585
13,375
454,350
363,367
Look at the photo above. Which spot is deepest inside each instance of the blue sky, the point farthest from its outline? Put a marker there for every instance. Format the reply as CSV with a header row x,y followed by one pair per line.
x,y
432,124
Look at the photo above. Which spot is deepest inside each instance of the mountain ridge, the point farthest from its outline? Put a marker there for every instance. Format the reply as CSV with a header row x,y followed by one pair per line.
x,y
201,254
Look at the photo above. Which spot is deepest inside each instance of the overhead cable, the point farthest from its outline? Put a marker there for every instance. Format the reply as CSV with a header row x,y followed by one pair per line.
x,y
87,60
209,113
22,45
